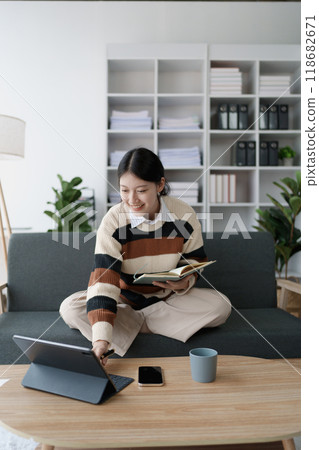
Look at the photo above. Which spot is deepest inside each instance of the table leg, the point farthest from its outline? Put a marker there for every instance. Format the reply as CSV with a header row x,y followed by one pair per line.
x,y
289,444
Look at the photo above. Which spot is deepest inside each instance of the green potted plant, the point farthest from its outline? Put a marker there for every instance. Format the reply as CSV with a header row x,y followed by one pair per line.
x,y
287,155
280,221
69,214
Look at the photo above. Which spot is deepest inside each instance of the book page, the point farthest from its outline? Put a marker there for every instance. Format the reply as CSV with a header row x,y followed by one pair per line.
x,y
178,273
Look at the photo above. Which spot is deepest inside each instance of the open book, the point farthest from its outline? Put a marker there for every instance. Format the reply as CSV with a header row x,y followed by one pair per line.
x,y
172,275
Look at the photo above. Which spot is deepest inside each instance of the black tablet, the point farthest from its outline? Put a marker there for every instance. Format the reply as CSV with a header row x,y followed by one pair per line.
x,y
68,370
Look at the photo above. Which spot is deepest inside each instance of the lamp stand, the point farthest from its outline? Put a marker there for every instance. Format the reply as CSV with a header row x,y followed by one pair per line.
x,y
9,231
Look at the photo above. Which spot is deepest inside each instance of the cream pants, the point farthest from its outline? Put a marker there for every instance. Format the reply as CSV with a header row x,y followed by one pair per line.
x,y
179,317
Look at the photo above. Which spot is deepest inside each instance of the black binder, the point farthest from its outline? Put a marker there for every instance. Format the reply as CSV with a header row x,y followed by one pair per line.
x,y
263,117
283,117
251,153
233,117
243,117
273,117
241,159
263,154
223,116
68,370
273,153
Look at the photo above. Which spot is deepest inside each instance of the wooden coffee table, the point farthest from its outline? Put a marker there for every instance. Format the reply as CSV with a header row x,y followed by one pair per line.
x,y
252,400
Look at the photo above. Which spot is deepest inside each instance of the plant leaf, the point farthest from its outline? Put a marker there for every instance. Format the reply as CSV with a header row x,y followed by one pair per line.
x,y
295,204
284,250
49,213
292,184
53,216
298,178
281,187
75,181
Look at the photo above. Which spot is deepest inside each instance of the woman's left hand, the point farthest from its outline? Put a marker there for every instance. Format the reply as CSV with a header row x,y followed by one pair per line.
x,y
175,286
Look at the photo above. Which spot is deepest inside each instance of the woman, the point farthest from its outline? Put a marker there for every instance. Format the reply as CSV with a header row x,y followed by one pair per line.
x,y
147,232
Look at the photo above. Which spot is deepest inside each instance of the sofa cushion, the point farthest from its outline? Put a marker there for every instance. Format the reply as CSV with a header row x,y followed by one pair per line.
x,y
244,269
42,271
262,332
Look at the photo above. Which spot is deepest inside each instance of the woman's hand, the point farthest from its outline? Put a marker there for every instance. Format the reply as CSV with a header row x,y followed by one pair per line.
x,y
175,286
99,348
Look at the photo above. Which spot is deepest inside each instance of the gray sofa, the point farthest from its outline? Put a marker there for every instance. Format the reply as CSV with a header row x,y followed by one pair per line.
x,y
43,271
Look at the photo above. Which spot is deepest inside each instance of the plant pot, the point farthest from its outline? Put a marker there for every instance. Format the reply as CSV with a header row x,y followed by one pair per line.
x,y
288,161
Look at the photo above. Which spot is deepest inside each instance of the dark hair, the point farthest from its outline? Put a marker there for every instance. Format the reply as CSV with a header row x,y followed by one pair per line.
x,y
144,164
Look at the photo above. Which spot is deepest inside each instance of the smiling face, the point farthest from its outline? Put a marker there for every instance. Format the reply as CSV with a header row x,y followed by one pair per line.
x,y
141,196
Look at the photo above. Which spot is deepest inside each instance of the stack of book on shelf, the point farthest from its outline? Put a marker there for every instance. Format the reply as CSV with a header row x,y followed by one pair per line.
x,y
225,80
116,156
274,84
185,190
223,188
114,197
180,157
122,120
186,123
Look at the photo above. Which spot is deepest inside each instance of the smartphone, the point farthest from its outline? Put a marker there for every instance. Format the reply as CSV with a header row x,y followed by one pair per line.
x,y
150,376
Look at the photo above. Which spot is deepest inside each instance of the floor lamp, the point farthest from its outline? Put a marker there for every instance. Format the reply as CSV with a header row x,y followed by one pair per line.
x,y
12,134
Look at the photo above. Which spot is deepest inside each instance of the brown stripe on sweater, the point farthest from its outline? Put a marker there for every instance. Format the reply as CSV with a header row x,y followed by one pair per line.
x,y
101,275
194,258
151,247
101,315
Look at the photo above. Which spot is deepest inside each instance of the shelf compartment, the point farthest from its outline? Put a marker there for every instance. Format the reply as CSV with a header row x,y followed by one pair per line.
x,y
189,177
181,77
131,104
246,180
294,110
283,139
182,107
129,140
131,76
182,140
222,147
214,103
291,68
248,70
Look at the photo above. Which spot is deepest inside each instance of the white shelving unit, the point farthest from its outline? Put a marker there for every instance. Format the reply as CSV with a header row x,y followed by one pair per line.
x,y
169,81
173,80
253,182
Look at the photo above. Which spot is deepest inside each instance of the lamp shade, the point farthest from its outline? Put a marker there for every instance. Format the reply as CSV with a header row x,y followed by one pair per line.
x,y
12,136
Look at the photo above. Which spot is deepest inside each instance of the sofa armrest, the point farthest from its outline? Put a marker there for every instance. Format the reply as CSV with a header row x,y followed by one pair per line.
x,y
3,298
286,287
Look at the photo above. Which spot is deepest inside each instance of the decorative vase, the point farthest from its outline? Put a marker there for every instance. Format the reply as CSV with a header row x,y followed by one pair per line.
x,y
288,161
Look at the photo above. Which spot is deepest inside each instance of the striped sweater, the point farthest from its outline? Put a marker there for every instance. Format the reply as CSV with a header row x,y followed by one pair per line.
x,y
122,252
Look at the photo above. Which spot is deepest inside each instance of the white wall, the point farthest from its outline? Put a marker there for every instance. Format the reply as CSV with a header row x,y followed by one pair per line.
x,y
52,75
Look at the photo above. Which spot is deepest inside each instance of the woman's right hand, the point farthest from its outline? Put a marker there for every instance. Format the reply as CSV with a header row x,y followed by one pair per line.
x,y
99,348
